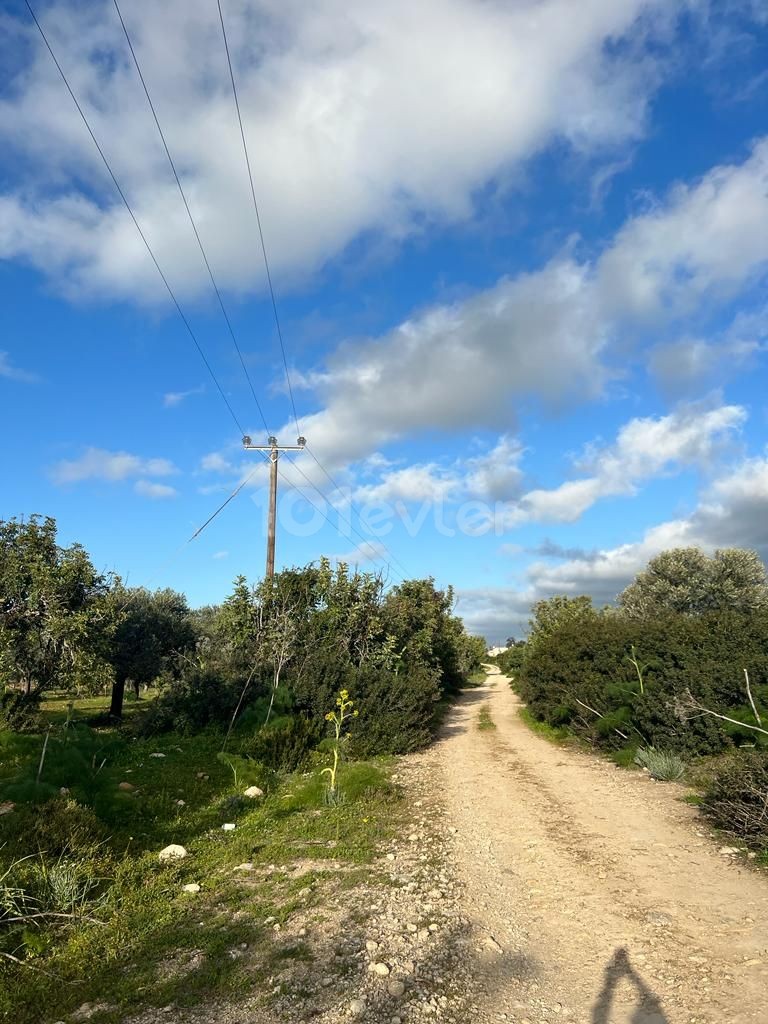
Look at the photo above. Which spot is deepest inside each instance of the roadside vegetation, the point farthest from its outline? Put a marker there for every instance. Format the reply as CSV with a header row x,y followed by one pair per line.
x,y
674,679
162,770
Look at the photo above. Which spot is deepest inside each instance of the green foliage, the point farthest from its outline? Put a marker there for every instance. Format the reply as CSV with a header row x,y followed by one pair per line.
x,y
661,764
286,744
52,616
735,799
686,581
397,712
580,676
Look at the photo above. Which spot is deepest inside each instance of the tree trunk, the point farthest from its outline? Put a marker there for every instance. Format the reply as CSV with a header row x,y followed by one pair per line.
x,y
137,690
118,693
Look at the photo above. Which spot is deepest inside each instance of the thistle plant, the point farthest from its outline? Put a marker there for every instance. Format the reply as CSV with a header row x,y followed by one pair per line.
x,y
344,710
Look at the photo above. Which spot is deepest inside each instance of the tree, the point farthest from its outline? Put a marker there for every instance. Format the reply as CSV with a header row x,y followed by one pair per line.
x,y
686,581
52,607
550,615
150,629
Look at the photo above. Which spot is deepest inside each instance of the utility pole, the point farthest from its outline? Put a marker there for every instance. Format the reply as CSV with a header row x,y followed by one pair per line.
x,y
274,450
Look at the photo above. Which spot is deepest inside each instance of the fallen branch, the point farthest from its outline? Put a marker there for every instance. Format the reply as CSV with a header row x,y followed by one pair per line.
x,y
751,701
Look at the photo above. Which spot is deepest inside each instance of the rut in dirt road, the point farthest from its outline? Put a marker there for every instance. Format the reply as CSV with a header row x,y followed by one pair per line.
x,y
602,894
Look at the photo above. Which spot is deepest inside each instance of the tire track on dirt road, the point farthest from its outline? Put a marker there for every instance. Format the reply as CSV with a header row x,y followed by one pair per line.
x,y
606,897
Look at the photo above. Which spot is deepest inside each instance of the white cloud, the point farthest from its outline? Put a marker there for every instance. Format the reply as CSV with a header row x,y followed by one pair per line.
x,y
731,513
551,334
11,372
368,106
98,464
215,462
644,448
366,551
150,489
414,483
220,555
173,398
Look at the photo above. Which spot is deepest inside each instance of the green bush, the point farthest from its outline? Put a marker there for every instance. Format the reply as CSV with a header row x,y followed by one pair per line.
x,y
737,797
200,698
580,675
286,744
396,712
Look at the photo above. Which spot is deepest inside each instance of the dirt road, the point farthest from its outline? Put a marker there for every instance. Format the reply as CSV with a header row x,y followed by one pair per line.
x,y
603,896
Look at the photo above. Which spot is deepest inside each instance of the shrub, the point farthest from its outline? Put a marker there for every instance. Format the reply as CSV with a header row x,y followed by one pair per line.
x,y
661,764
200,698
737,798
285,744
397,712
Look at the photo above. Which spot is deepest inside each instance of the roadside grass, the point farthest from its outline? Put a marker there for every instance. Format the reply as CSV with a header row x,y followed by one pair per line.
x,y
484,720
554,733
139,940
476,679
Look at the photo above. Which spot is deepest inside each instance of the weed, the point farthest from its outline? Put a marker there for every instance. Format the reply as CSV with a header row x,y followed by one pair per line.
x,y
484,720
553,733
661,764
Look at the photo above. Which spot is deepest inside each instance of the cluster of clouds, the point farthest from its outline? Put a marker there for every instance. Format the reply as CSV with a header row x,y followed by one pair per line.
x,y
364,110
731,513
97,464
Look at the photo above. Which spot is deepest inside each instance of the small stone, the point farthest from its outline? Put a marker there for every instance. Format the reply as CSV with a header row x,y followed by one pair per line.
x,y
396,988
245,866
357,1007
729,851
201,775
390,856
412,928
191,887
493,944
172,852
7,806
412,838
181,803
127,787
381,969
371,946
253,792
157,755
63,791
229,826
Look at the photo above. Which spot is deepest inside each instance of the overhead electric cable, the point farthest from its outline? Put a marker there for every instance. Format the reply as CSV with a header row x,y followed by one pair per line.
x,y
353,507
258,217
191,218
127,205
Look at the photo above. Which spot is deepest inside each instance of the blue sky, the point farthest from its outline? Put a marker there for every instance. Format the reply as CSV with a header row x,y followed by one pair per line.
x,y
520,259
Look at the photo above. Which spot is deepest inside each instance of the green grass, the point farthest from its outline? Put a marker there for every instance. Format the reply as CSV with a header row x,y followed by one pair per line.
x,y
476,679
55,707
146,924
484,720
553,733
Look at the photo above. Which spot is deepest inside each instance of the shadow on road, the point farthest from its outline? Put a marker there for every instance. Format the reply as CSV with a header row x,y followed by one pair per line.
x,y
648,1009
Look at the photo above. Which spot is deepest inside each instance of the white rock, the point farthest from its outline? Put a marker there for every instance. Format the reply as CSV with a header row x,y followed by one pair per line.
x,y
191,887
157,755
729,851
229,826
381,969
247,866
396,988
371,946
357,1007
172,852
253,792
181,803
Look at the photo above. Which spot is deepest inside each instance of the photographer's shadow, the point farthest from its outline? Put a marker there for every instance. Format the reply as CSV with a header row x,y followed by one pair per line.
x,y
648,1009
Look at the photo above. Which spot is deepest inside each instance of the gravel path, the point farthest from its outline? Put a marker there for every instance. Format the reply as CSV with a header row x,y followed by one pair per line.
x,y
607,896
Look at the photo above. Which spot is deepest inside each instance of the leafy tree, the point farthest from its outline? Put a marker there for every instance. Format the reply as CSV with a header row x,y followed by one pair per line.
x,y
151,628
687,581
52,607
552,614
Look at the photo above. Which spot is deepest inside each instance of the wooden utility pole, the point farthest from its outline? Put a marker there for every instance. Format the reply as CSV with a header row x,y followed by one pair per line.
x,y
274,450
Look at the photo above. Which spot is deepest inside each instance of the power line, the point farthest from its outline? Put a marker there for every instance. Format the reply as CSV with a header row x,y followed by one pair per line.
x,y
127,205
258,216
354,508
323,514
191,218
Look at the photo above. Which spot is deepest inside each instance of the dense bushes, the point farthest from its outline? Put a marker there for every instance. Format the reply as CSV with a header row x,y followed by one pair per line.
x,y
582,675
737,796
